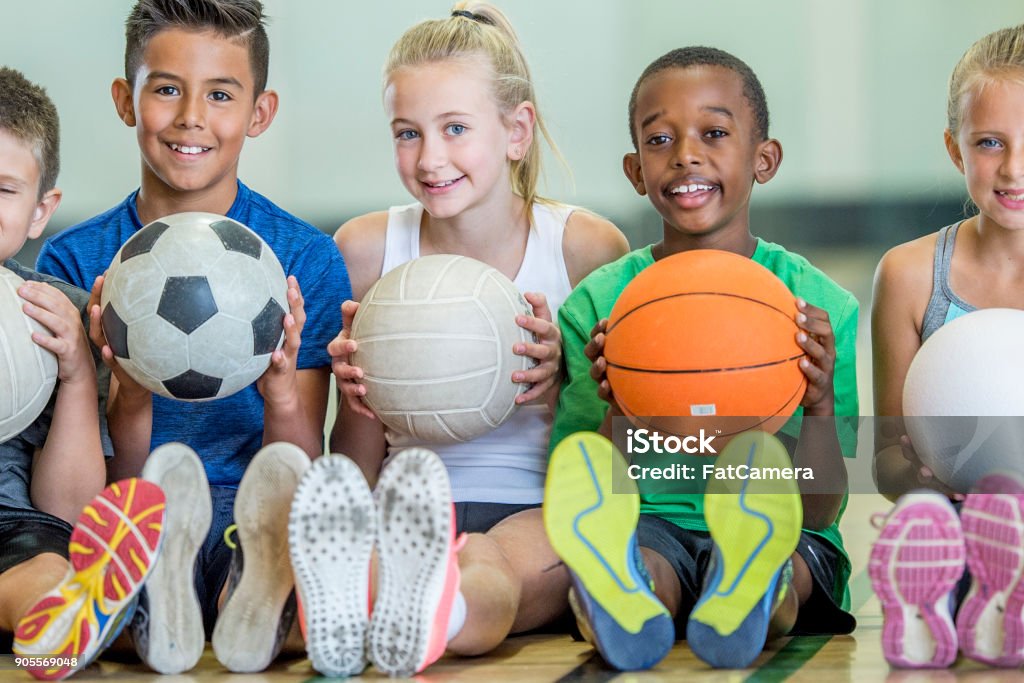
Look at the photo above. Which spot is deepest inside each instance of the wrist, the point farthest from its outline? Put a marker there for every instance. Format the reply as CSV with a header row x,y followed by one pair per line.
x,y
823,408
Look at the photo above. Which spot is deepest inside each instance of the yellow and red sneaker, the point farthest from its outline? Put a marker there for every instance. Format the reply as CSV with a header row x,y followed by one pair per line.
x,y
113,547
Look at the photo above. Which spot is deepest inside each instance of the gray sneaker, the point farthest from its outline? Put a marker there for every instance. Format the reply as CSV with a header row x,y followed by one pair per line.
x,y
168,626
255,618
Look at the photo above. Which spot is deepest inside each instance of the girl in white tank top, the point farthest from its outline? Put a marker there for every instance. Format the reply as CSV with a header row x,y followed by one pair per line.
x,y
464,149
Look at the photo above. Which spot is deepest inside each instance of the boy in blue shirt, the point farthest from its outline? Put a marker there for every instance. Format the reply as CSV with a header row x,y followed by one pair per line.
x,y
53,579
194,89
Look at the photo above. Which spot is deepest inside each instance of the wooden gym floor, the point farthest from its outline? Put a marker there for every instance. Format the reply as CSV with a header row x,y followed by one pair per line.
x,y
857,657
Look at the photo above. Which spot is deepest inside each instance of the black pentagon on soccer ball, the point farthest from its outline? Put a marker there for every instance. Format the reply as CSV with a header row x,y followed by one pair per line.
x,y
187,302
115,331
267,328
236,237
192,385
142,242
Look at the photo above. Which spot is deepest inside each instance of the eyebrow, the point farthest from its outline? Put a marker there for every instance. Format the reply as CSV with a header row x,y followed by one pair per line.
x,y
439,117
168,76
647,120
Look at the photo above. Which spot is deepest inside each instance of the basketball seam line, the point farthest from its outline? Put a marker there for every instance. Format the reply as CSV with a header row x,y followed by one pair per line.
x,y
680,294
698,371
630,415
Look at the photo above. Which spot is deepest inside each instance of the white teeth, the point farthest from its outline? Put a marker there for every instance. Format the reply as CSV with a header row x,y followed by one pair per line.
x,y
1013,197
445,183
692,187
188,150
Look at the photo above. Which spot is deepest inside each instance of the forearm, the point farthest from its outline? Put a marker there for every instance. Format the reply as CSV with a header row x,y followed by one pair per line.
x,y
130,423
290,421
68,470
361,439
818,449
894,474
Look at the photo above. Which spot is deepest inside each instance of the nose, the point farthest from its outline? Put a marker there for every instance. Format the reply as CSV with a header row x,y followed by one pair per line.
x,y
432,154
688,152
1013,163
192,112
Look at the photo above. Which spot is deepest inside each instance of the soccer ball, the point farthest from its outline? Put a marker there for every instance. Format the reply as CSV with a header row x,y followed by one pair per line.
x,y
28,372
193,306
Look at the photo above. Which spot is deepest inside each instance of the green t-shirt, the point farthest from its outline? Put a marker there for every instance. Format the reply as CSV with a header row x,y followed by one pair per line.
x,y
580,409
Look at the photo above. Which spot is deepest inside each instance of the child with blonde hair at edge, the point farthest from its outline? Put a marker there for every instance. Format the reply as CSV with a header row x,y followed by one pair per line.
x,y
927,554
463,114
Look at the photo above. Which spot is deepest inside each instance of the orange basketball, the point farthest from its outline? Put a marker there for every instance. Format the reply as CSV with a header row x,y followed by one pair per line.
x,y
705,333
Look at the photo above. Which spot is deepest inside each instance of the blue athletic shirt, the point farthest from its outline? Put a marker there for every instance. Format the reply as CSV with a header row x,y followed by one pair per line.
x,y
227,432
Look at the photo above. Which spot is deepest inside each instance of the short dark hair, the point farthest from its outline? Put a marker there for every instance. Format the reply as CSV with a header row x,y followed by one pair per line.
x,y
686,57
239,19
28,114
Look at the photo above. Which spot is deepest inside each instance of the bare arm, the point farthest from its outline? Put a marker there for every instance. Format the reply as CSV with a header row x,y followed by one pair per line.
x,y
68,470
356,432
129,406
589,242
294,401
901,290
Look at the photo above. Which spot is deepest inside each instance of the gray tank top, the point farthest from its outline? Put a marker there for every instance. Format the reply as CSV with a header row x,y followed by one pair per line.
x,y
944,305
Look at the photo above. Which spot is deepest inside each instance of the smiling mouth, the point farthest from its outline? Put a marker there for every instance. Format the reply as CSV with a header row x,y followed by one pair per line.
x,y
1011,197
185,149
691,188
443,183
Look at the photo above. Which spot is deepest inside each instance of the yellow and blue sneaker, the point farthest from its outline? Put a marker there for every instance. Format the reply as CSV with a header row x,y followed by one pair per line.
x,y
755,526
593,530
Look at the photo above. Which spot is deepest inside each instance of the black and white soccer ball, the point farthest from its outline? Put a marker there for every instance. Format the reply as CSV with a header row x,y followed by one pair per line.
x,y
193,306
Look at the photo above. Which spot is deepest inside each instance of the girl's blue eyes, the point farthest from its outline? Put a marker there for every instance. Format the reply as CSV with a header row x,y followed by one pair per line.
x,y
989,143
453,129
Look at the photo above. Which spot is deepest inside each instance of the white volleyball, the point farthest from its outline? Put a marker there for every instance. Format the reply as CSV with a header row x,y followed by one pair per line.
x,y
435,342
28,372
963,399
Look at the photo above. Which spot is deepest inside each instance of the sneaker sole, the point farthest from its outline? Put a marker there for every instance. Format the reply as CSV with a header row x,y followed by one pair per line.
x,y
915,563
989,622
755,525
331,531
174,636
592,528
414,518
113,546
245,635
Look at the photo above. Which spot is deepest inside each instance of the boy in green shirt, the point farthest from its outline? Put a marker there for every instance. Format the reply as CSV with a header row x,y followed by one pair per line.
x,y
699,124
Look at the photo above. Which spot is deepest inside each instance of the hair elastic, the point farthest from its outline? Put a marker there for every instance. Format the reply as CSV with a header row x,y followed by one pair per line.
x,y
479,18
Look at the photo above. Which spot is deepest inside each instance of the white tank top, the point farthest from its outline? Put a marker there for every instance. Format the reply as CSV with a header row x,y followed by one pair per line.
x,y
508,464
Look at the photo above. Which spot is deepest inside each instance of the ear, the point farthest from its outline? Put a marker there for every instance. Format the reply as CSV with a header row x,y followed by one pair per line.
x,y
634,173
44,209
121,92
521,123
953,148
768,160
263,113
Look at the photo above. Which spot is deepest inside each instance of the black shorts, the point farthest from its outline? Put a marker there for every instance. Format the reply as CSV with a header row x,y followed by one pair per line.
x,y
24,534
479,518
690,551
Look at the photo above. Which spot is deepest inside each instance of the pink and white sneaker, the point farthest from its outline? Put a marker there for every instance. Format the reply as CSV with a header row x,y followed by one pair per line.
x,y
418,578
914,567
989,623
